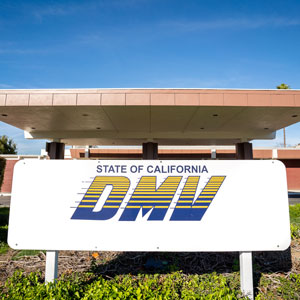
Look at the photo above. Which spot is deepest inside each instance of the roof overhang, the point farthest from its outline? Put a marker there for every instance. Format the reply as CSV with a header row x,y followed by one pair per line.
x,y
166,116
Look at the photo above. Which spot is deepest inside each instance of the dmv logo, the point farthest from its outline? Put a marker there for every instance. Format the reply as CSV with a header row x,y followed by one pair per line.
x,y
147,197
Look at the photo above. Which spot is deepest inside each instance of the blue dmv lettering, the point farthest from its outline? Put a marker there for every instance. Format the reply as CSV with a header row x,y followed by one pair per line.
x,y
120,186
189,210
147,197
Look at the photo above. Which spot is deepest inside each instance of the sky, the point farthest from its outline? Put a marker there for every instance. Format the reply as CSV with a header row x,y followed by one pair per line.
x,y
149,44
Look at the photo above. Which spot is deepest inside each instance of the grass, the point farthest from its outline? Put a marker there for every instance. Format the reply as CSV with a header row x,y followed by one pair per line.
x,y
295,220
295,214
21,253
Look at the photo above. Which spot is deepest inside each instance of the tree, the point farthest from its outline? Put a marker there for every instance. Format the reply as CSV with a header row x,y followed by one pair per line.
x,y
7,145
283,86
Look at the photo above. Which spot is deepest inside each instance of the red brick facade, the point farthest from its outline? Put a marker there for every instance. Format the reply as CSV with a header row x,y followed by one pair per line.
x,y
8,174
290,158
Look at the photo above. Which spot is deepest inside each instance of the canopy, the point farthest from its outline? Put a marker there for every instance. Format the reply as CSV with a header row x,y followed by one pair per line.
x,y
165,116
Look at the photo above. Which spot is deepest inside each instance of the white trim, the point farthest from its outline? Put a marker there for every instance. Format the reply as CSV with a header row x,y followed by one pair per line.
x,y
19,157
274,153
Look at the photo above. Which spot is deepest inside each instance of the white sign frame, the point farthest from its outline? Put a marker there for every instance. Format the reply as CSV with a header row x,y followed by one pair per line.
x,y
249,212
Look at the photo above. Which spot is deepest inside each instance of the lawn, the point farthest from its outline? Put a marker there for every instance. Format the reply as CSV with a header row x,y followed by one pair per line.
x,y
295,220
295,214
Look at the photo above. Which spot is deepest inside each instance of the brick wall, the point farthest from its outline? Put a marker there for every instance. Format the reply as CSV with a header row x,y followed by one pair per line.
x,y
292,173
8,174
293,178
291,159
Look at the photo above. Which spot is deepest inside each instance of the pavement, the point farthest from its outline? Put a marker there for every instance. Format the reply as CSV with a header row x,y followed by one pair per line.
x,y
294,198
4,200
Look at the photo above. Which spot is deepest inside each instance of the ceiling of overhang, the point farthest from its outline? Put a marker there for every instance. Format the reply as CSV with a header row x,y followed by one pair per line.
x,y
133,125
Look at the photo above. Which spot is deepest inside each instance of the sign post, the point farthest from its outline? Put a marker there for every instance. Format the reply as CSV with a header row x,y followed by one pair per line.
x,y
244,151
56,150
246,274
51,266
150,205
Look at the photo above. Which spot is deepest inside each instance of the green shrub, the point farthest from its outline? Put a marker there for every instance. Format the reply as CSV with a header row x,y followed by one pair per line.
x,y
289,287
31,286
279,287
295,231
295,221
171,286
295,214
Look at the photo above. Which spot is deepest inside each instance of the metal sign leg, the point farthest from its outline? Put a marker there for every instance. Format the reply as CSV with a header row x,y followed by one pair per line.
x,y
56,150
51,266
246,274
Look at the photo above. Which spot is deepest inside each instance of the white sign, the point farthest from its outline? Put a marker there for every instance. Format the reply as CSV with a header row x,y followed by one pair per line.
x,y
149,205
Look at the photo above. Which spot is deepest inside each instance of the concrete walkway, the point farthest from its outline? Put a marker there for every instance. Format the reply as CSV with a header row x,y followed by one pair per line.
x,y
4,200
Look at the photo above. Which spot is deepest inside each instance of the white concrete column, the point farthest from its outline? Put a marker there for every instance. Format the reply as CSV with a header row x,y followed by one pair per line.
x,y
213,153
87,152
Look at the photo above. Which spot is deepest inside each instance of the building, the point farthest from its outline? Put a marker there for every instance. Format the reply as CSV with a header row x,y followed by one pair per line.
x,y
151,117
289,156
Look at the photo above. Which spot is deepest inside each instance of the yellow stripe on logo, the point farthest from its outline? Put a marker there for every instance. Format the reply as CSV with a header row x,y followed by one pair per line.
x,y
89,200
149,201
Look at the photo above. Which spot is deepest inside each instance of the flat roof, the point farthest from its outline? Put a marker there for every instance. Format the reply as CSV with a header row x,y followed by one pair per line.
x,y
134,116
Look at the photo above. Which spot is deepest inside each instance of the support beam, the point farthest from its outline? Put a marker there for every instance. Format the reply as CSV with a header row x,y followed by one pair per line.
x,y
55,150
150,150
243,151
